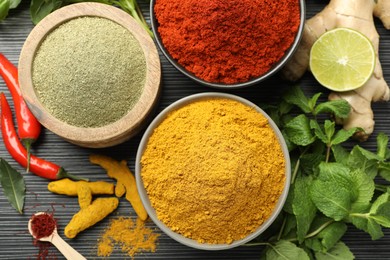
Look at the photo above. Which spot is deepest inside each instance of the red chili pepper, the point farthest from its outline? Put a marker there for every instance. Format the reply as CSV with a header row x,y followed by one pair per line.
x,y
29,128
38,166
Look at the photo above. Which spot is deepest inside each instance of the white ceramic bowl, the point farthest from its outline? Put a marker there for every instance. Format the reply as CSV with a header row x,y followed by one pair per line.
x,y
144,197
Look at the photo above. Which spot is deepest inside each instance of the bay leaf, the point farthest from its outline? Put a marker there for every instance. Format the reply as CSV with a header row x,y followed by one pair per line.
x,y
13,185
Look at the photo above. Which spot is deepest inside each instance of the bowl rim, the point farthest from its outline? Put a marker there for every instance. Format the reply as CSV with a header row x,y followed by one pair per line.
x,y
274,69
143,194
115,132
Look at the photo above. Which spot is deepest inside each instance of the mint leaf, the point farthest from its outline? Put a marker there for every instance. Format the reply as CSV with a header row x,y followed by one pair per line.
x,y
313,101
362,159
39,9
310,161
363,187
382,214
303,208
320,134
298,131
382,140
374,229
286,250
14,4
340,154
382,199
327,238
339,252
340,108
4,8
332,192
343,135
290,227
379,214
384,170
13,185
329,127
296,97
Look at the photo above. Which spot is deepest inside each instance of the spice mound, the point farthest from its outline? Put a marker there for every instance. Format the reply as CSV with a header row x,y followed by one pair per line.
x,y
43,225
213,170
227,41
89,72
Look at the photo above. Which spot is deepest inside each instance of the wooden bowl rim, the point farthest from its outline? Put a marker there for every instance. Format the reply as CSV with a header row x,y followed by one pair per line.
x,y
106,135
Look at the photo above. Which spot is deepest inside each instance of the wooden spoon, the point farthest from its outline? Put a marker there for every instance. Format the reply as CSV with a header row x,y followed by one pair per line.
x,y
68,251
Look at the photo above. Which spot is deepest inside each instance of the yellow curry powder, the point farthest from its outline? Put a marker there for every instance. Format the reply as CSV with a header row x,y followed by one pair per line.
x,y
132,237
213,170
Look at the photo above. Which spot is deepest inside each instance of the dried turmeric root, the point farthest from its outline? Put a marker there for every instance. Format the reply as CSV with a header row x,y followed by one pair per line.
x,y
125,181
90,215
356,15
71,188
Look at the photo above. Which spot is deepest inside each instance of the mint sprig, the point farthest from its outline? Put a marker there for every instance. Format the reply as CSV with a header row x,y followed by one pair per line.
x,y
332,187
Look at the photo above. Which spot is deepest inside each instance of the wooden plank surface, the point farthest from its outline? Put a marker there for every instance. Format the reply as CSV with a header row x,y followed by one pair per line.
x,y
16,243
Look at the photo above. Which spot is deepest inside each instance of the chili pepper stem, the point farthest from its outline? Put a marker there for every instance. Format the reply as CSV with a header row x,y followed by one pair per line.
x,y
63,174
27,143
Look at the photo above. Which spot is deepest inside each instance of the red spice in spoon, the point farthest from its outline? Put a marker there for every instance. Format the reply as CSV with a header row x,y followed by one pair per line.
x,y
43,225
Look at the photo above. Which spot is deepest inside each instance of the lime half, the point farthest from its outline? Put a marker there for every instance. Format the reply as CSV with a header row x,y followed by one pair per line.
x,y
342,59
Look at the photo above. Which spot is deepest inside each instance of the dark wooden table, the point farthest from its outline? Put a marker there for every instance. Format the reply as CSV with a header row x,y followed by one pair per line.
x,y
16,243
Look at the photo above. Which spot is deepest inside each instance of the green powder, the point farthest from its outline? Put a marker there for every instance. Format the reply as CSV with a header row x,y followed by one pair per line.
x,y
89,72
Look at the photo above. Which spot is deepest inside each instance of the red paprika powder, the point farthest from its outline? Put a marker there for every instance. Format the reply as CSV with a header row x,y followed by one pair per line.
x,y
227,41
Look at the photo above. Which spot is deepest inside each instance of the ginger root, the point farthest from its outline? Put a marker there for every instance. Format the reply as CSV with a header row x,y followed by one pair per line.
x,y
382,11
71,188
91,212
125,181
356,15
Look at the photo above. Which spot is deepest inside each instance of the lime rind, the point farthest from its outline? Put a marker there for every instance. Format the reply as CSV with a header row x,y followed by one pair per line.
x,y
342,59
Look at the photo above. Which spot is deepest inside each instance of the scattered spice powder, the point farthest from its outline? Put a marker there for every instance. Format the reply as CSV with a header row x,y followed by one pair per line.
x,y
213,170
89,72
227,41
131,237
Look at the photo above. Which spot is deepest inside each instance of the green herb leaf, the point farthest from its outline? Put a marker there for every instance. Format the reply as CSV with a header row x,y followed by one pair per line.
x,y
343,135
339,108
14,4
359,158
299,132
332,192
286,250
384,170
4,8
303,208
382,199
39,9
330,128
310,161
13,185
374,229
320,134
340,154
382,141
382,214
313,101
290,227
296,97
339,252
327,238
363,187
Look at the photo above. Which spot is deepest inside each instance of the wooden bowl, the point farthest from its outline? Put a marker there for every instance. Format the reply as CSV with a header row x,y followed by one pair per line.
x,y
110,134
